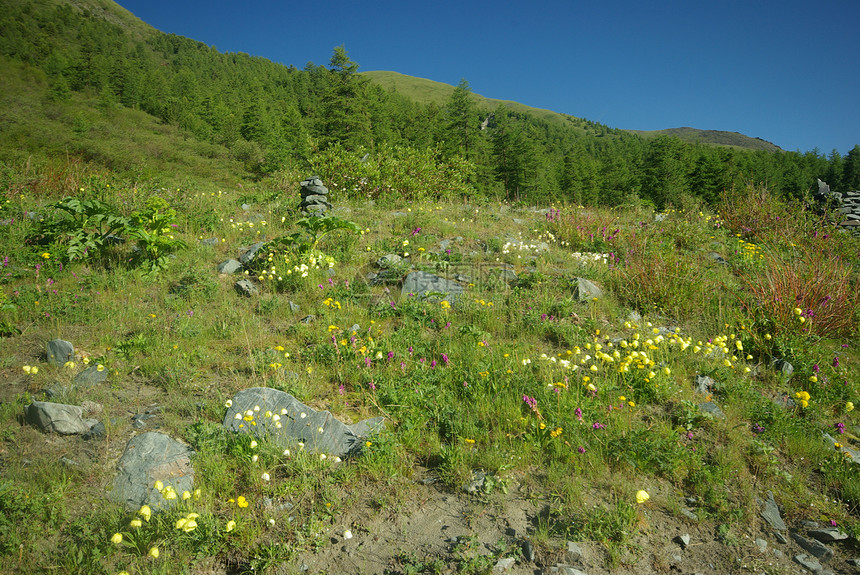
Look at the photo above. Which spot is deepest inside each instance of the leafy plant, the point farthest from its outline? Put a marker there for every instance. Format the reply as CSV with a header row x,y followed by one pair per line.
x,y
153,228
83,229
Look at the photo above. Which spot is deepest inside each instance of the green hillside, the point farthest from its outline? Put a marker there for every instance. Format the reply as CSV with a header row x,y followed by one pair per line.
x,y
718,137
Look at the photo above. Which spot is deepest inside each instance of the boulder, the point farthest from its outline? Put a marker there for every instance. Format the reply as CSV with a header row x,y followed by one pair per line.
x,y
148,458
318,431
250,253
57,418
59,351
420,283
92,375
585,290
230,266
246,288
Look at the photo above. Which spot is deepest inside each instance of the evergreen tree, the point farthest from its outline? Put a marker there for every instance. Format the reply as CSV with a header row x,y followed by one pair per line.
x,y
345,106
851,170
462,122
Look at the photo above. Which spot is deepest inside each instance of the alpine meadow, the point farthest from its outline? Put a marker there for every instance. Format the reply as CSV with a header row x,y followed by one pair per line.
x,y
264,319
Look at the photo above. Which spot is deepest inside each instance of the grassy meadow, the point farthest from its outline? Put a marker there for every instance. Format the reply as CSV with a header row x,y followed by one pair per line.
x,y
518,378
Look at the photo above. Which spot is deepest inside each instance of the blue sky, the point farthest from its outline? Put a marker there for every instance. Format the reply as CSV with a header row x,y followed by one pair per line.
x,y
785,71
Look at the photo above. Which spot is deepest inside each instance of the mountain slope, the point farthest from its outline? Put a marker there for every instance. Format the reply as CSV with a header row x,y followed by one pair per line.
x,y
429,91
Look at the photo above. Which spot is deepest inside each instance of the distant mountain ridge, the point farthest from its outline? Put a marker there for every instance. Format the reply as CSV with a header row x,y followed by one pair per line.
x,y
429,91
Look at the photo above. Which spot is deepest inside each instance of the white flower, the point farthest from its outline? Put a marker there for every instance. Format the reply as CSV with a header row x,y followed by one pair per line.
x,y
253,443
286,453
265,477
229,403
255,458
347,534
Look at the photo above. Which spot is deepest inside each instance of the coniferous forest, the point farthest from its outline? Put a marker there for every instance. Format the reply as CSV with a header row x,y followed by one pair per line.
x,y
78,65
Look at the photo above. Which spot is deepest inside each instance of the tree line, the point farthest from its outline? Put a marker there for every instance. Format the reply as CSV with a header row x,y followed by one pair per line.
x,y
272,116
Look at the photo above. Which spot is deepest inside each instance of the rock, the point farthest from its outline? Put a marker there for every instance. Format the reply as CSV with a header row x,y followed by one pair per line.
x,y
57,418
504,565
294,307
148,458
230,266
476,485
307,319
770,514
780,538
854,562
92,375
817,548
528,551
761,544
420,283
209,242
566,570
704,384
246,288
682,540
574,552
139,420
689,514
828,534
59,351
250,253
782,366
717,258
97,431
712,409
585,290
319,431
807,562
388,260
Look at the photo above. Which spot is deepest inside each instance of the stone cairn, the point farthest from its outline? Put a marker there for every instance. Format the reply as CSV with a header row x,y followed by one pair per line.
x,y
314,197
846,206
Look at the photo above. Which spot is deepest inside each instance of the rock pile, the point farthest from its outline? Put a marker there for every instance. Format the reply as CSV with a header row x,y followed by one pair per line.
x,y
314,197
846,205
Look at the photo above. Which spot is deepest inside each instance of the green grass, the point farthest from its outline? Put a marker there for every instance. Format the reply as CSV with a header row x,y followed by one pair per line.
x,y
521,381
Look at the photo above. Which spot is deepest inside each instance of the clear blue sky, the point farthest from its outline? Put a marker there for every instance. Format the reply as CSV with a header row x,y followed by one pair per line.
x,y
786,71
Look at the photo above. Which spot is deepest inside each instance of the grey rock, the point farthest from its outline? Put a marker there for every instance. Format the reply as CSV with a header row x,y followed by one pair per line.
x,y
689,514
574,552
230,266
566,570
294,307
97,431
810,524
682,540
57,418
528,551
210,242
660,217
828,534
761,544
92,375
140,420
717,258
778,554
57,389
315,200
388,260
246,288
780,538
59,351
634,317
504,565
808,562
712,409
704,384
784,367
250,253
586,290
308,319
817,548
770,513
476,485
148,458
315,209
420,283
319,431
854,562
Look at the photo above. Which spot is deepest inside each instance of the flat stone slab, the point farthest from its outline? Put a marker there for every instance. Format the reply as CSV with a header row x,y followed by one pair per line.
x,y
817,548
229,267
770,513
421,283
57,418
586,290
148,458
319,431
92,375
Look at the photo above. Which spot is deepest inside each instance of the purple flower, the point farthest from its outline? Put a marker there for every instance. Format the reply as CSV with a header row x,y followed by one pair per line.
x,y
433,364
833,523
367,361
840,427
835,361
390,355
530,401
597,425
756,428
445,359
815,368
581,449
341,389
416,231
578,413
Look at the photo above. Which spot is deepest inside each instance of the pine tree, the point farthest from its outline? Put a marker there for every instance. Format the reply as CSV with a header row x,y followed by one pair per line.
x,y
346,118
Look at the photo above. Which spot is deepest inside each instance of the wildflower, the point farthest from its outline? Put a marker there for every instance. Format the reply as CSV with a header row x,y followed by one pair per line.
x,y
46,255
581,449
159,485
849,406
597,425
228,403
265,477
116,539
154,553
253,444
813,379
347,534
135,523
241,501
642,496
145,512
231,525
254,458
69,365
840,428
197,494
